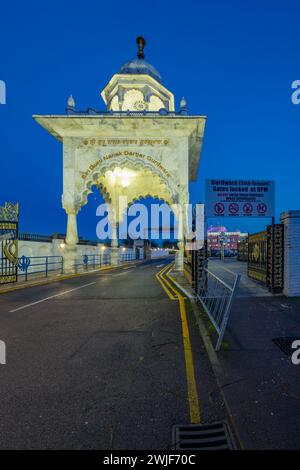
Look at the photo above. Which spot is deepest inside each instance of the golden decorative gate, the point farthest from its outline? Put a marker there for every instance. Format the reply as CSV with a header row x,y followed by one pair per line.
x,y
265,257
9,243
257,256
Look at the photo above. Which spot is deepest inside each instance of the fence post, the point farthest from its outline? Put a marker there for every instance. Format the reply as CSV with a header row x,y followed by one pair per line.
x,y
200,261
46,266
62,265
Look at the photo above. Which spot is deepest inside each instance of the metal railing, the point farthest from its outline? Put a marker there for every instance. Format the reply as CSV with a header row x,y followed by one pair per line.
x,y
34,237
161,112
94,261
124,257
30,265
34,265
216,297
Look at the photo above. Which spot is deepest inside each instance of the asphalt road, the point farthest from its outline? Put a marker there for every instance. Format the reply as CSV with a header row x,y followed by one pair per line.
x,y
97,362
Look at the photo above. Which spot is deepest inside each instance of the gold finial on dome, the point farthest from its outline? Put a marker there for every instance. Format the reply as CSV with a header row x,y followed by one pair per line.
x,y
141,44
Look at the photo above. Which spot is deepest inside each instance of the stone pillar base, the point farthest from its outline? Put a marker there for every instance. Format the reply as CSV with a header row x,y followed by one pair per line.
x,y
70,256
114,256
179,261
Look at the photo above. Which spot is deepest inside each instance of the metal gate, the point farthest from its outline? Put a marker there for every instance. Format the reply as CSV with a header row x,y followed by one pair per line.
x,y
8,243
265,257
275,251
257,256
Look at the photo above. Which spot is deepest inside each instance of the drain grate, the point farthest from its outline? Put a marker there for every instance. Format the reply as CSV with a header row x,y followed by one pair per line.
x,y
285,344
215,436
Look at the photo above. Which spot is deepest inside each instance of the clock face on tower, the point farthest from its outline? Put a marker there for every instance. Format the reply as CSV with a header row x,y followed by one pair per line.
x,y
139,105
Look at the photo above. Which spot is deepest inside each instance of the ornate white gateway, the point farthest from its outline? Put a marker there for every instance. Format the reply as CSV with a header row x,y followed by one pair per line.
x,y
138,147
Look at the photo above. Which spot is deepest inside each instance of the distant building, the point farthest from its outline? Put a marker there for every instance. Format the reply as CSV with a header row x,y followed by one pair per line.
x,y
218,236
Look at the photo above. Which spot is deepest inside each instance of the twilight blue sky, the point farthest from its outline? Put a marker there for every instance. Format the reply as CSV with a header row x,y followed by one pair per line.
x,y
234,61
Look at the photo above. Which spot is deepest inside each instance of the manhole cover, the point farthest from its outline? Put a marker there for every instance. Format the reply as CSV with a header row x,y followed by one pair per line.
x,y
285,344
215,436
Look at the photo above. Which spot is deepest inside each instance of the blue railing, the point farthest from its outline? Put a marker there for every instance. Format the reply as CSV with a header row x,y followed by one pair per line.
x,y
33,265
95,260
161,112
124,257
29,265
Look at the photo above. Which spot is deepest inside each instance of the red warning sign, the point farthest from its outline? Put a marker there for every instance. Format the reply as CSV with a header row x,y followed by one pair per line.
x,y
233,208
248,208
262,208
219,208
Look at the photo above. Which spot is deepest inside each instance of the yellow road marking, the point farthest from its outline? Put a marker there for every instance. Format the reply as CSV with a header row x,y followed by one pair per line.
x,y
188,355
171,288
177,292
161,281
189,365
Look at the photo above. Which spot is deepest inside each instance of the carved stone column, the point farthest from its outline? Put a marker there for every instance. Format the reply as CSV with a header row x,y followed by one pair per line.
x,y
70,249
71,202
179,258
72,233
114,239
181,212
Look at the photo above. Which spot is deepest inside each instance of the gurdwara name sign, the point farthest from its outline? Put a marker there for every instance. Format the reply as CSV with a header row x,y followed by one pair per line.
x,y
239,198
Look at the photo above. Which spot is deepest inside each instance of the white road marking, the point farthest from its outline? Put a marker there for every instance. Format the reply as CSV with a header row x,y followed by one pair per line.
x,y
160,266
51,297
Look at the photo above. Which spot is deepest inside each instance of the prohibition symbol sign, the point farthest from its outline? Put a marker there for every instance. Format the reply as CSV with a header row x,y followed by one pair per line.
x,y
219,208
233,208
248,208
261,208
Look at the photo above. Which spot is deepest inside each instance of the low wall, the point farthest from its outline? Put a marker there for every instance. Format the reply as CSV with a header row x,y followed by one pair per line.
x,y
56,247
291,222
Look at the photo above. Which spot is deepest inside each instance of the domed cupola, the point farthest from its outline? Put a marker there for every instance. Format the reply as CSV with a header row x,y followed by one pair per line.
x,y
137,87
139,65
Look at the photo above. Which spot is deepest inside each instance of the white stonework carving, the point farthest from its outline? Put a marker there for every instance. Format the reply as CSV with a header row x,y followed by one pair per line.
x,y
123,154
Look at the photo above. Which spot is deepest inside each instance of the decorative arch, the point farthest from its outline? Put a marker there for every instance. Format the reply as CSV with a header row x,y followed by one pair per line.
x,y
165,183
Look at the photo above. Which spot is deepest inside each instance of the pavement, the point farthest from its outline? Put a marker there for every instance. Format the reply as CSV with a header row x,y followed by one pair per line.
x,y
98,362
260,382
227,270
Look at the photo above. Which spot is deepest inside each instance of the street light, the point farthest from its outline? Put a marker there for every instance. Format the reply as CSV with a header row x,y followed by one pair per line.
x,y
121,177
